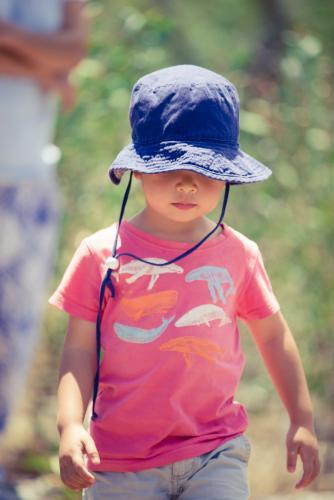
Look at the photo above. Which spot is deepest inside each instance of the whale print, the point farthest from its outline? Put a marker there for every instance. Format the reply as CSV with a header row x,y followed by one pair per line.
x,y
203,314
146,305
215,277
139,269
190,346
140,335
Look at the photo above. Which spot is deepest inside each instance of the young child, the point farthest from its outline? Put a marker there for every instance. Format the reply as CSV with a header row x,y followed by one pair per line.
x,y
166,289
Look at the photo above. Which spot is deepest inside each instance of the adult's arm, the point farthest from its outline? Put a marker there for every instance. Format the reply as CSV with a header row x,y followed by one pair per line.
x,y
56,52
20,68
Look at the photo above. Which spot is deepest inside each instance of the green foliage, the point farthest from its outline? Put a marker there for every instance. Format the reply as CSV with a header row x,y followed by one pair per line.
x,y
289,128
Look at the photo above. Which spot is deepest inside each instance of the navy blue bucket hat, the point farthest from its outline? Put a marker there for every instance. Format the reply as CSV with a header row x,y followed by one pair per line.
x,y
186,117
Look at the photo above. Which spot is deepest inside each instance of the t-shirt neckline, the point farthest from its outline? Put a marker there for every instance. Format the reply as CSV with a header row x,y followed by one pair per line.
x,y
171,244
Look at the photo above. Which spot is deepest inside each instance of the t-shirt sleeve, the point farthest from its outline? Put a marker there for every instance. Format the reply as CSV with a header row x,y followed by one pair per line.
x,y
78,291
256,299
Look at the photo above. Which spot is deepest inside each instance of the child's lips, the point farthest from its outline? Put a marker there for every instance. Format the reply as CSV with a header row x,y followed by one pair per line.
x,y
184,206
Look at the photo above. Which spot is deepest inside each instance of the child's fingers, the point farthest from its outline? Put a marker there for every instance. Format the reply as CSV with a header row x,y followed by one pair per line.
x,y
315,468
75,482
80,470
91,450
311,468
74,473
69,479
71,482
307,475
292,459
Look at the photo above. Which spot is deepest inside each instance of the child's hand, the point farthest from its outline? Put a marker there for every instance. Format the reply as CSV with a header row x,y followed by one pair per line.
x,y
302,441
75,442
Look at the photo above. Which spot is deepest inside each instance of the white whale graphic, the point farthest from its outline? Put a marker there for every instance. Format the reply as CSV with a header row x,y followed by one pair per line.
x,y
139,269
203,314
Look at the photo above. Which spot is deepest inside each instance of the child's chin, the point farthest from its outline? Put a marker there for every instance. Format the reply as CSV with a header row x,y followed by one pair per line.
x,y
184,217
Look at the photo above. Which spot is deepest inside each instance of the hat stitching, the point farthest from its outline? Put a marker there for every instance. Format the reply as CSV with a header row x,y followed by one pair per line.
x,y
252,178
216,158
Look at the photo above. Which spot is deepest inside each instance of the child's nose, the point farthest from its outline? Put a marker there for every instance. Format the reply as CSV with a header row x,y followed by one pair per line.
x,y
186,184
186,188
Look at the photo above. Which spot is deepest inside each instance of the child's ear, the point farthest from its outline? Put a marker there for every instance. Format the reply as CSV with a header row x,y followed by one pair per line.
x,y
137,175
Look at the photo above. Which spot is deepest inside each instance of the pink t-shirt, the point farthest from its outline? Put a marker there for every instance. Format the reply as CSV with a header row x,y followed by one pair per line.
x,y
171,354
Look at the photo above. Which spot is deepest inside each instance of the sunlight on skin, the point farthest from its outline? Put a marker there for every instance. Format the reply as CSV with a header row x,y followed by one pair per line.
x,y
162,191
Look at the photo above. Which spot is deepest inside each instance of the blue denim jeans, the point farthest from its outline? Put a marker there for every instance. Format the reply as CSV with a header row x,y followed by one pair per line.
x,y
220,474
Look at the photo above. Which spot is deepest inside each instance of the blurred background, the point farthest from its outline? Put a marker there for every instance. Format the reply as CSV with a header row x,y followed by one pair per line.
x,y
279,55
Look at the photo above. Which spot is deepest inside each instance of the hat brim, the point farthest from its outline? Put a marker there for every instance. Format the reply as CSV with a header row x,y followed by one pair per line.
x,y
213,160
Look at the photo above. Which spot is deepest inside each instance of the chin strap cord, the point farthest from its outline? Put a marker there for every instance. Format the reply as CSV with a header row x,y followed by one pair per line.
x,y
113,264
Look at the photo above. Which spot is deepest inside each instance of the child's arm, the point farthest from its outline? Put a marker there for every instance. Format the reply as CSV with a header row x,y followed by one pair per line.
x,y
77,371
281,357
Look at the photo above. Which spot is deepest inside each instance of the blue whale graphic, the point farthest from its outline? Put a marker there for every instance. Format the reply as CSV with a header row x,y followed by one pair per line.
x,y
140,335
215,277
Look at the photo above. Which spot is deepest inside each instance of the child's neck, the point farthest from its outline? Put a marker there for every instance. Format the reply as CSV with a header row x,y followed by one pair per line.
x,y
190,232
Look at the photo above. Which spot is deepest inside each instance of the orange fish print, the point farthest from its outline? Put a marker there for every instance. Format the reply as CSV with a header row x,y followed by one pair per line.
x,y
145,305
189,346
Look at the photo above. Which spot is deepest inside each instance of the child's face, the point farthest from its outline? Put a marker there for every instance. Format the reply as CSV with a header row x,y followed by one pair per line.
x,y
180,196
